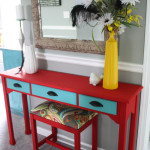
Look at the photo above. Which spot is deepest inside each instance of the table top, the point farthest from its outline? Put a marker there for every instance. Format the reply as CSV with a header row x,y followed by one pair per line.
x,y
76,83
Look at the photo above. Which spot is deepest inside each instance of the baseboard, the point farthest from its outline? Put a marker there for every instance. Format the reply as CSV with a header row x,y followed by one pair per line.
x,y
65,139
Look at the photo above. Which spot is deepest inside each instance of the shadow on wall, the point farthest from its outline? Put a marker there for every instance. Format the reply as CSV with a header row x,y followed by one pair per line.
x,y
44,64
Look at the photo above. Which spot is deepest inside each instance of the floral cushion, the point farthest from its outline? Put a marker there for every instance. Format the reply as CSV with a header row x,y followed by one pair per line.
x,y
66,115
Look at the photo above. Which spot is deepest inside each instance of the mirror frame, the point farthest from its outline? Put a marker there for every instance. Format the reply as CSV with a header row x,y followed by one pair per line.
x,y
73,45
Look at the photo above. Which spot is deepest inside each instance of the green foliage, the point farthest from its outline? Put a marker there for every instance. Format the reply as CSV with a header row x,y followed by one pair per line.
x,y
96,43
120,13
129,24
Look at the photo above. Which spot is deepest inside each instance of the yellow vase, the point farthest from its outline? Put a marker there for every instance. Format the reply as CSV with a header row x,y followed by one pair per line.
x,y
110,80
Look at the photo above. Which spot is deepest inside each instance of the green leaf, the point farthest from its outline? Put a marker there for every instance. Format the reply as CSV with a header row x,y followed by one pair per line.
x,y
129,24
132,7
96,43
103,30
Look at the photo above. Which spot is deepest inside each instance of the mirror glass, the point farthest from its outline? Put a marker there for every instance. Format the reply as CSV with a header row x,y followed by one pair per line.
x,y
56,22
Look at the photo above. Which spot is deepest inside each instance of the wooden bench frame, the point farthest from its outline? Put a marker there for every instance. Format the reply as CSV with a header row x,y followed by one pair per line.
x,y
53,136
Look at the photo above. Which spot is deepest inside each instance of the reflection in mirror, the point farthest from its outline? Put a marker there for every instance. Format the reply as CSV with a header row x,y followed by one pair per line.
x,y
50,2
56,22
53,29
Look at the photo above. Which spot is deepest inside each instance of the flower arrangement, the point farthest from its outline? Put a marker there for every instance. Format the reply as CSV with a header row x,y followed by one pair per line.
x,y
112,15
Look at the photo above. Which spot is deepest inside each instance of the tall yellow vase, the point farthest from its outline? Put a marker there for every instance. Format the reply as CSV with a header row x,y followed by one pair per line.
x,y
110,80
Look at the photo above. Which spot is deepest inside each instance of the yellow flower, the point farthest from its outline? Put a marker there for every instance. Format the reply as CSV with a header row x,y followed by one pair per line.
x,y
129,11
110,28
121,13
130,19
117,23
136,19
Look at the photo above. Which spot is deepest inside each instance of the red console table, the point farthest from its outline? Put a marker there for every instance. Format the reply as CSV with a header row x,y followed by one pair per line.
x,y
76,91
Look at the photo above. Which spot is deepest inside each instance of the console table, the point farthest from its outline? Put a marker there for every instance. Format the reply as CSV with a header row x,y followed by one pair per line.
x,y
76,91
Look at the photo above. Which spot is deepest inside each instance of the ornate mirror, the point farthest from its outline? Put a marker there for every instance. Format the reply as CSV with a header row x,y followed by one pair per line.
x,y
53,28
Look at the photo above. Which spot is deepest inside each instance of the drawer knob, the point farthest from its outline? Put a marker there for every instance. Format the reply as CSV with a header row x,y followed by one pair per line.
x,y
96,104
51,93
17,85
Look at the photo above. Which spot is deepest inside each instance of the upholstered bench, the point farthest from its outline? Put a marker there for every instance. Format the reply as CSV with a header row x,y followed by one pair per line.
x,y
64,117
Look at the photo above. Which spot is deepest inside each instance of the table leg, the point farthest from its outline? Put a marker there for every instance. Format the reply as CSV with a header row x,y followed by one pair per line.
x,y
8,113
94,133
133,126
122,129
26,114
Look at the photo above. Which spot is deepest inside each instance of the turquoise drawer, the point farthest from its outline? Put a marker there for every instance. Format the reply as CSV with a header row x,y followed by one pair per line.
x,y
18,85
98,104
54,94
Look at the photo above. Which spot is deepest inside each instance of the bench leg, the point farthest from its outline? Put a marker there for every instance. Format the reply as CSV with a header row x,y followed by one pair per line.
x,y
54,131
77,140
94,133
34,133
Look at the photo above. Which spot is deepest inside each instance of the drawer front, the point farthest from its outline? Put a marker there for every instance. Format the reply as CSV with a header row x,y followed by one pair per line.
x,y
18,85
98,104
54,94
